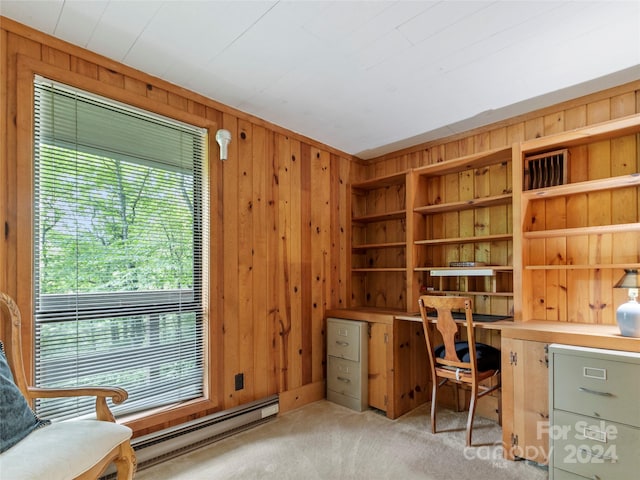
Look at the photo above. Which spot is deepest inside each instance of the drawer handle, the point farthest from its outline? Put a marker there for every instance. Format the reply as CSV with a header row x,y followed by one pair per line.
x,y
588,452
342,344
345,380
595,392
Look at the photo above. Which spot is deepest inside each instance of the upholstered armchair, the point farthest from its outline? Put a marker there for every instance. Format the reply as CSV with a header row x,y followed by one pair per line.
x,y
32,448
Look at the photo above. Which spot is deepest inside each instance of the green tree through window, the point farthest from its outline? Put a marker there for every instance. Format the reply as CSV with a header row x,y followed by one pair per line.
x,y
118,248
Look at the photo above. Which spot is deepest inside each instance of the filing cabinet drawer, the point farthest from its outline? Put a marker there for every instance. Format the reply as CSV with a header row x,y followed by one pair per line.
x,y
597,387
594,448
343,339
343,376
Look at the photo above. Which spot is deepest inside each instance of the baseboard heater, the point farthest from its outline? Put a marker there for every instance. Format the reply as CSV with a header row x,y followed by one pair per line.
x,y
171,442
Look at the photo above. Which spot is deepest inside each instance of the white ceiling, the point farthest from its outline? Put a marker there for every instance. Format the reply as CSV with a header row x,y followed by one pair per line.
x,y
364,77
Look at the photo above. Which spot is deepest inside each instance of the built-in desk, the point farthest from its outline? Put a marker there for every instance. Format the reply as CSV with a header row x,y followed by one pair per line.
x,y
580,334
399,376
481,323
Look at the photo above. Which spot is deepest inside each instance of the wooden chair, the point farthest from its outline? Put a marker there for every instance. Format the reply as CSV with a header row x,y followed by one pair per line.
x,y
73,449
464,363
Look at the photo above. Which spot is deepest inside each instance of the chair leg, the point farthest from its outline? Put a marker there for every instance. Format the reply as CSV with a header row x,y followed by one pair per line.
x,y
434,403
499,406
472,410
456,395
126,462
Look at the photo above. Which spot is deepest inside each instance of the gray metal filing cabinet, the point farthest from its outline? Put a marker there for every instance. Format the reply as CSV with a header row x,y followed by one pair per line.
x,y
347,363
594,424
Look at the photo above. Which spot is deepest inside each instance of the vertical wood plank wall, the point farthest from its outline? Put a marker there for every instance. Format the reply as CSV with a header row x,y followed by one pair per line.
x,y
280,247
278,228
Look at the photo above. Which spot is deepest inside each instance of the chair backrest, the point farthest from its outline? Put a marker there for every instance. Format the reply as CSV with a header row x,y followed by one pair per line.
x,y
448,328
10,335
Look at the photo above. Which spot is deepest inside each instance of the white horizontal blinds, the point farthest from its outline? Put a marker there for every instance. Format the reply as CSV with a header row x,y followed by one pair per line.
x,y
118,251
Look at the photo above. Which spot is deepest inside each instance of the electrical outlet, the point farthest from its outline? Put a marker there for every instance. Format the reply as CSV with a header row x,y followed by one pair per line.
x,y
239,381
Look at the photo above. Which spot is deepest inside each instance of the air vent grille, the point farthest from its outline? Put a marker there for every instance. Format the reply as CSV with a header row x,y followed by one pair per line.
x,y
546,170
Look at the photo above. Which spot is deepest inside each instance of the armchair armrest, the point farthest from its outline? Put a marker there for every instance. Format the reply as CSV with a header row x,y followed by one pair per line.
x,y
117,395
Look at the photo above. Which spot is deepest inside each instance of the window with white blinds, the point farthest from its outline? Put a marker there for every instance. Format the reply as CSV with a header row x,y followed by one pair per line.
x,y
118,246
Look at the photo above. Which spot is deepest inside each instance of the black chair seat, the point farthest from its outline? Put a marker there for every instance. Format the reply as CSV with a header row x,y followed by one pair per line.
x,y
488,357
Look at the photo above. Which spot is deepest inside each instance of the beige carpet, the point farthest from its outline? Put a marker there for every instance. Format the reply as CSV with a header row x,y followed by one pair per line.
x,y
326,441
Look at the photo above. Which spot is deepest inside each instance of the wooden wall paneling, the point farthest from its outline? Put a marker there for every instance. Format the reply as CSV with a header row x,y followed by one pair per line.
x,y
553,123
246,253
414,159
177,101
575,117
139,88
320,249
377,366
599,213
214,301
474,142
272,241
533,128
555,254
376,288
6,192
56,57
623,105
577,216
309,342
397,300
498,138
624,202
109,77
438,153
481,142
414,230
481,226
599,111
340,171
466,220
272,285
578,170
4,155
84,68
536,220
410,362
295,266
199,110
231,278
157,94
499,222
451,193
283,155
452,149
380,169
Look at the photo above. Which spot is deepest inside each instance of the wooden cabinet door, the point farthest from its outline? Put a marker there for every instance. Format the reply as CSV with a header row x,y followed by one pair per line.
x,y
525,400
379,364
411,385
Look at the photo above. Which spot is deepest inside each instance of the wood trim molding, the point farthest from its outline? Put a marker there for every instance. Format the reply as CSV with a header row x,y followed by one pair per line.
x,y
296,398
